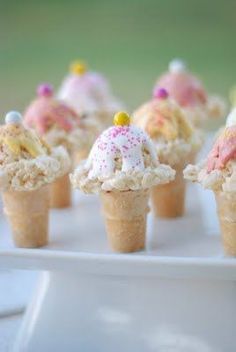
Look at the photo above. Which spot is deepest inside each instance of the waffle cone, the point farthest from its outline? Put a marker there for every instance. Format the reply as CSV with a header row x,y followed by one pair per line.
x,y
60,192
168,200
125,219
226,209
27,214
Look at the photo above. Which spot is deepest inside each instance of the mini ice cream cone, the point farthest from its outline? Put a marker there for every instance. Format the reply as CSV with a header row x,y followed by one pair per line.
x,y
218,173
125,219
122,166
58,124
27,214
226,209
60,192
27,167
176,144
168,200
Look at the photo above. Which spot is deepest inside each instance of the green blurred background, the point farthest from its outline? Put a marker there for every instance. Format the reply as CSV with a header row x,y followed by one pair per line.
x,y
129,41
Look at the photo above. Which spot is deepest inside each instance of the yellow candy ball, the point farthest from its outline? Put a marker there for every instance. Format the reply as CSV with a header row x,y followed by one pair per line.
x,y
121,119
78,68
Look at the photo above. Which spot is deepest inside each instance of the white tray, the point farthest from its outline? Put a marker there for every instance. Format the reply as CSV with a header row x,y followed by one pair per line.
x,y
186,246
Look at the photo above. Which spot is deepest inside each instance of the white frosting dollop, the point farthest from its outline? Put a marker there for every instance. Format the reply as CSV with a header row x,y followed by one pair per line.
x,y
177,66
126,142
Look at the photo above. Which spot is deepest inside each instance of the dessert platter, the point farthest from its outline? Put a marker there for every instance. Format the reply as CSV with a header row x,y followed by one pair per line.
x,y
103,292
121,270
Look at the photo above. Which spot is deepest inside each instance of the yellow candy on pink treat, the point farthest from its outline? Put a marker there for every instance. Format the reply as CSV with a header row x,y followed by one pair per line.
x,y
89,93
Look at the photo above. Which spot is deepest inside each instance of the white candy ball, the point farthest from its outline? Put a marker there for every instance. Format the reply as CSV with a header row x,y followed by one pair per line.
x,y
13,117
231,119
176,66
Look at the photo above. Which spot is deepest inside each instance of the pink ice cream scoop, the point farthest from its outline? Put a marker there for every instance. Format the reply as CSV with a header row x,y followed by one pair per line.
x,y
46,112
182,86
223,150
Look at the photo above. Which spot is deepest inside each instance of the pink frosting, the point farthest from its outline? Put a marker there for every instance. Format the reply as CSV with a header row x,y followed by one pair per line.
x,y
223,150
45,111
186,89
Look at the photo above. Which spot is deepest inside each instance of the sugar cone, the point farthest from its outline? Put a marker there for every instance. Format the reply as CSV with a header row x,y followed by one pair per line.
x,y
60,192
226,209
168,200
125,219
27,213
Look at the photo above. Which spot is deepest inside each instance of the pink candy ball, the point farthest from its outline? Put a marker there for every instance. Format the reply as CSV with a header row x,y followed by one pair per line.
x,y
160,93
45,90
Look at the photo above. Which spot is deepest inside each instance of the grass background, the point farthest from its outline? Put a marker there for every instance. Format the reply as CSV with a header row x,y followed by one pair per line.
x,y
130,41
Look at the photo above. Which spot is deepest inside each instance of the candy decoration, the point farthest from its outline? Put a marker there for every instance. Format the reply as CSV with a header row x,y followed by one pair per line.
x,y
45,90
78,68
160,93
13,117
121,119
177,66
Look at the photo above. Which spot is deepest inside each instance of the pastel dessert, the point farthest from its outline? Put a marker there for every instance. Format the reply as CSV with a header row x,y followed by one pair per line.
x,y
90,94
218,173
58,124
190,94
27,166
176,144
121,167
